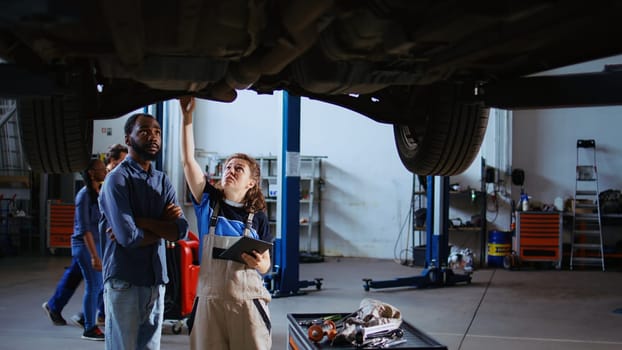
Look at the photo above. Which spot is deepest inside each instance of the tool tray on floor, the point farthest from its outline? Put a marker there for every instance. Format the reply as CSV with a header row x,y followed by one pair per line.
x,y
298,337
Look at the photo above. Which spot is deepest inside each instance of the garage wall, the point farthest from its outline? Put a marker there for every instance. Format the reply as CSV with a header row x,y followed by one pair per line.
x,y
545,146
108,132
545,142
367,193
546,149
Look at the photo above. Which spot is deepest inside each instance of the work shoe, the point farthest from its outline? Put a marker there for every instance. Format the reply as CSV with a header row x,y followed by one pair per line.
x,y
78,320
56,318
93,334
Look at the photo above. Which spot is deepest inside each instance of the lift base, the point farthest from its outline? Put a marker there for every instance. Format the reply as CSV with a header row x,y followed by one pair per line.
x,y
430,278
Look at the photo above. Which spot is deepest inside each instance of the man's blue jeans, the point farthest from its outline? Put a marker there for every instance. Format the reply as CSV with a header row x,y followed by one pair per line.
x,y
134,315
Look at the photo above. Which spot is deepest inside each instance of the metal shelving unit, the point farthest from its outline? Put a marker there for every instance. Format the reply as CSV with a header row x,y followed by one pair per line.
x,y
310,216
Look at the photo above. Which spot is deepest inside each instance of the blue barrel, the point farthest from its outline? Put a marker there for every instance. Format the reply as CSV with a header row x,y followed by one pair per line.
x,y
499,245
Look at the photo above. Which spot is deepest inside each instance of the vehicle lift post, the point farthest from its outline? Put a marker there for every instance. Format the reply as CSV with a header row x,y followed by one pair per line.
x,y
284,279
435,273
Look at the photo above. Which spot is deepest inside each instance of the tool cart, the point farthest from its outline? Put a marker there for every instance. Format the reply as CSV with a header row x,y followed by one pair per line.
x,y
538,240
299,335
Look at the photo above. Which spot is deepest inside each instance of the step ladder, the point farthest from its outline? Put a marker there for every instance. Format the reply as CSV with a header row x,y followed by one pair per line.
x,y
587,237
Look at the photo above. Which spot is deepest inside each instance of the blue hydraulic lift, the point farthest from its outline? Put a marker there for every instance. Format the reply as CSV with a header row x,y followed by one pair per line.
x,y
284,280
436,273
159,114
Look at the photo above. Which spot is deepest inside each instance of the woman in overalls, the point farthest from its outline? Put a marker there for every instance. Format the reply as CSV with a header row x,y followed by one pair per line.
x,y
232,302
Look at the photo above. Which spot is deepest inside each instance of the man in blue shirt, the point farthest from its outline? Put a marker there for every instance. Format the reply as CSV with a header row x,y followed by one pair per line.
x,y
139,212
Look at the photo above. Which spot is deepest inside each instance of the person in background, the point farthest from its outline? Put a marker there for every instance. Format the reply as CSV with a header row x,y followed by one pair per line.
x,y
116,154
85,244
72,277
232,302
139,212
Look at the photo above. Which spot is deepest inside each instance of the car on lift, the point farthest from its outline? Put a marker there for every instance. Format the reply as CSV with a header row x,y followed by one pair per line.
x,y
429,68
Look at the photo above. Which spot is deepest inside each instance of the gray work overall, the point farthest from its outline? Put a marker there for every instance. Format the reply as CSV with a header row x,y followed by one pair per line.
x,y
231,310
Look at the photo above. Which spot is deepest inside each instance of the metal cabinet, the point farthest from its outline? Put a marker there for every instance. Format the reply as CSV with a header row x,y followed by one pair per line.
x,y
539,237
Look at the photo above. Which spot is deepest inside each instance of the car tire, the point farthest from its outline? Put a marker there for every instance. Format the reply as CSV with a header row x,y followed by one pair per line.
x,y
444,136
56,138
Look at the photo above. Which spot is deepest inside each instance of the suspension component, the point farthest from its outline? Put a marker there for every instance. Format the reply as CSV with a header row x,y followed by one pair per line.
x,y
317,332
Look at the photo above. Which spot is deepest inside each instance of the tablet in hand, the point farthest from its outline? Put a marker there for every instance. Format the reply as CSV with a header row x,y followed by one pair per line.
x,y
244,245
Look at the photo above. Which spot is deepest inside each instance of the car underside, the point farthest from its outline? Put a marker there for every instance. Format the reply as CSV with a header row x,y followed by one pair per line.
x,y
429,68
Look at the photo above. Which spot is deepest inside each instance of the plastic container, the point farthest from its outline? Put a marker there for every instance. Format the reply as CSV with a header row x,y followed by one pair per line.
x,y
524,201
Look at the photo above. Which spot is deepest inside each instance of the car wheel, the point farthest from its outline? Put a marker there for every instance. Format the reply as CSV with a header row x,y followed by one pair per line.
x,y
444,136
56,138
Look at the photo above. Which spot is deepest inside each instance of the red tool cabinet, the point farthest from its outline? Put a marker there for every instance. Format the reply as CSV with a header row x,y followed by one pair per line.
x,y
539,237
60,223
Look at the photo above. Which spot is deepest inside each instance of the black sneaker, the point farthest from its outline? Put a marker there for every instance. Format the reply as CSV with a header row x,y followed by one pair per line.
x,y
101,321
56,318
93,334
78,320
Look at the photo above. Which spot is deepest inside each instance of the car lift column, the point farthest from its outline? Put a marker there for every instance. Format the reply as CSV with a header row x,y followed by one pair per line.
x,y
436,224
436,273
290,191
159,114
287,253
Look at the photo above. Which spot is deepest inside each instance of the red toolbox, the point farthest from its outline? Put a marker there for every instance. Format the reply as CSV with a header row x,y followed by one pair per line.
x,y
539,237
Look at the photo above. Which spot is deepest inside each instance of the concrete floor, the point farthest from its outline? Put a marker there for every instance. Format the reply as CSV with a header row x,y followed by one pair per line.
x,y
528,309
